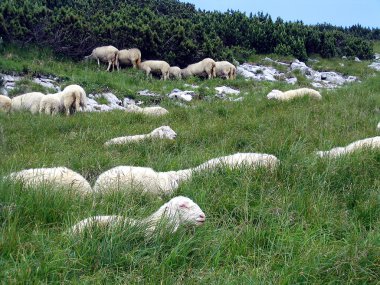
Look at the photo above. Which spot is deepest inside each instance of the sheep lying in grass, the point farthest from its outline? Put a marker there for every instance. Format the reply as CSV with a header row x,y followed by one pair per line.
x,y
143,178
155,66
164,132
175,72
5,104
241,159
369,143
107,54
129,56
204,67
166,182
28,102
57,177
152,111
291,94
179,211
225,69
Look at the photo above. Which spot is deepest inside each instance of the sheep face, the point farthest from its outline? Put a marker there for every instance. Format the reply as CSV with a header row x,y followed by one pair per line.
x,y
183,211
274,94
164,132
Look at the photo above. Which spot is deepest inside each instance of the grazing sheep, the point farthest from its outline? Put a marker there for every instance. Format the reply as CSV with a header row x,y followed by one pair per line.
x,y
5,104
225,69
29,102
144,178
241,159
153,111
107,54
369,143
51,104
57,177
175,72
291,94
155,66
73,99
129,56
179,211
204,67
164,132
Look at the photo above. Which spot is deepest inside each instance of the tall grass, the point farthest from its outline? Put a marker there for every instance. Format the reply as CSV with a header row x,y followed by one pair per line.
x,y
310,221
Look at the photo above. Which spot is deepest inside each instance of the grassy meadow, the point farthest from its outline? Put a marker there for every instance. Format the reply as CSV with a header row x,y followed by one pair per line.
x,y
310,221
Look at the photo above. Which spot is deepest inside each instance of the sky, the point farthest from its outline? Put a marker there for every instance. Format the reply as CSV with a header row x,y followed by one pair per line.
x,y
336,12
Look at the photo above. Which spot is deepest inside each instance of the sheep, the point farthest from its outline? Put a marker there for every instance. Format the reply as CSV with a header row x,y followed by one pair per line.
x,y
175,72
370,143
156,66
241,159
129,56
166,182
291,94
144,178
164,132
179,211
225,69
152,111
73,98
51,104
108,54
205,66
29,102
5,104
57,177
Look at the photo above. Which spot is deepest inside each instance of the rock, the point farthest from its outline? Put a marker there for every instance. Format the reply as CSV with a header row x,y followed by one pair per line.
x,y
114,103
344,57
191,85
377,56
127,101
9,82
341,64
258,72
292,80
186,96
148,93
375,65
378,127
47,83
357,59
226,90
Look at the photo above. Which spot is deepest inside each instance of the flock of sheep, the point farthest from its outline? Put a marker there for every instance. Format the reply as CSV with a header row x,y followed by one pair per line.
x,y
179,210
206,67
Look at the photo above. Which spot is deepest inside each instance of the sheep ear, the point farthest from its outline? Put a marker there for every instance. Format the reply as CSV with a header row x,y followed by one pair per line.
x,y
185,205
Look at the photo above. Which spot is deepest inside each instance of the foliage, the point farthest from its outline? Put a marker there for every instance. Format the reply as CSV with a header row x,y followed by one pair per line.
x,y
170,30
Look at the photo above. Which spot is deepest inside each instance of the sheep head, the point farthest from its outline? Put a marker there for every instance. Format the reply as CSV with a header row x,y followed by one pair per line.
x,y
275,94
164,132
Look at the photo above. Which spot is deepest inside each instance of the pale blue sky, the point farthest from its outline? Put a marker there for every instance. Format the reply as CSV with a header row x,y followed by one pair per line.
x,y
336,12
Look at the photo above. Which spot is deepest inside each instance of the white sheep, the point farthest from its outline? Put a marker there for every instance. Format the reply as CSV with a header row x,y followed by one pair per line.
x,y
225,69
5,104
164,132
129,56
241,159
142,178
73,98
28,102
57,177
291,94
107,54
152,111
369,143
204,67
155,66
148,180
51,104
175,72
179,211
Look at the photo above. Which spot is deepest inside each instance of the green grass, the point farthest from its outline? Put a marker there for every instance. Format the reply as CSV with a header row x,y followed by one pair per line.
x,y
310,221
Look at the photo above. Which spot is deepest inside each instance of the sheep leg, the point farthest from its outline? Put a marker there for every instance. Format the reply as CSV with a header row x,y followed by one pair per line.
x,y
109,65
98,62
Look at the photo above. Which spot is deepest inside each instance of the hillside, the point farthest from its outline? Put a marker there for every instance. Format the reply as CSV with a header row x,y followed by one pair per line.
x,y
311,220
